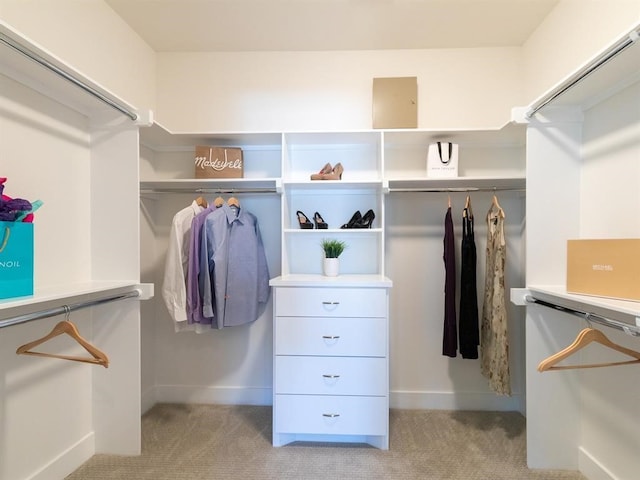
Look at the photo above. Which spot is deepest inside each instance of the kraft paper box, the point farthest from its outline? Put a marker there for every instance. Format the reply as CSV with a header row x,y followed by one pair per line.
x,y
395,102
604,268
16,259
218,162
442,160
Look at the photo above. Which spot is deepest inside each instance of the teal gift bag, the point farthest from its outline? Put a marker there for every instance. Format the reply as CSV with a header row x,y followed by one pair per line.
x,y
16,259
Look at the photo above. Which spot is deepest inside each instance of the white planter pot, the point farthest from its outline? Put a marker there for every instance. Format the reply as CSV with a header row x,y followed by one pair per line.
x,y
331,267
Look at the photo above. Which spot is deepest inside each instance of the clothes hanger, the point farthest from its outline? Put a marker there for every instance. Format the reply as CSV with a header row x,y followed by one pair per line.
x,y
584,338
98,357
468,211
218,202
201,202
233,202
496,206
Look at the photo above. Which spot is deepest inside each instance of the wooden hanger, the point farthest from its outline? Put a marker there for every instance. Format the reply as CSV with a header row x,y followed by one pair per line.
x,y
467,212
201,202
97,356
496,206
218,202
233,202
584,338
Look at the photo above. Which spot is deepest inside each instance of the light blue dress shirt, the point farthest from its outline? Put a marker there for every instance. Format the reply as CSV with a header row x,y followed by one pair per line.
x,y
236,290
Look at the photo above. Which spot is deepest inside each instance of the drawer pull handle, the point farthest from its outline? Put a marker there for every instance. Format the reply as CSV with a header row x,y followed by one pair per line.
x,y
331,337
330,376
331,303
331,415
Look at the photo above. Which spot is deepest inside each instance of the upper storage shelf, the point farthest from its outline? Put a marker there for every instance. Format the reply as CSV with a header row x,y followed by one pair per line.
x,y
590,84
26,62
160,139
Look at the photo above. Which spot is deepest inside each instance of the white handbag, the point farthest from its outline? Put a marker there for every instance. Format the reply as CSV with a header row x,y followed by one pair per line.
x,y
442,160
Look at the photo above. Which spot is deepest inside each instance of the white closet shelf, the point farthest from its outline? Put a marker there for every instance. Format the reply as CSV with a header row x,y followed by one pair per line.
x,y
310,280
159,138
213,185
509,135
318,231
623,310
66,293
458,183
332,185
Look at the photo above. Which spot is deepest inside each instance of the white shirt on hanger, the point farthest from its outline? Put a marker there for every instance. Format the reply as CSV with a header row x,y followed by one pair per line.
x,y
174,290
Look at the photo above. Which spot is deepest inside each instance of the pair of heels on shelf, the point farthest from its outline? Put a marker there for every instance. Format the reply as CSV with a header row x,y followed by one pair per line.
x,y
306,224
360,221
329,173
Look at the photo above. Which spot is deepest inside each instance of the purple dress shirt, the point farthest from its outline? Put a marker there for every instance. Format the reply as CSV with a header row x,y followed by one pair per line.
x,y
194,295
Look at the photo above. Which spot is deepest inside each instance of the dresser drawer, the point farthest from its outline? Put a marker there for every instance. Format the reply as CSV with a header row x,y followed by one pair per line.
x,y
331,302
331,376
331,336
323,414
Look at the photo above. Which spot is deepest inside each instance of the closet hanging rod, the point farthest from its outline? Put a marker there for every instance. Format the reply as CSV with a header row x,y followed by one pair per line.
x,y
589,317
609,54
52,312
30,54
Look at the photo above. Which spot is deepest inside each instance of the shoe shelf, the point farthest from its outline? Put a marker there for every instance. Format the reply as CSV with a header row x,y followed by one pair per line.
x,y
333,185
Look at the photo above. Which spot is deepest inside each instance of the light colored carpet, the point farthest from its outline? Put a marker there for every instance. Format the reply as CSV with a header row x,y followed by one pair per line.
x,y
204,442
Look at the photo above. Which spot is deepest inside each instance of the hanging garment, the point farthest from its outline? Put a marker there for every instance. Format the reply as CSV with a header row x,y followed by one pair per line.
x,y
494,341
450,337
194,293
468,327
236,288
174,286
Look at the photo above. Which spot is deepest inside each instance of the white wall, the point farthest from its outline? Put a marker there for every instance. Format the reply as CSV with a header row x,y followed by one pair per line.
x,y
280,91
573,33
91,38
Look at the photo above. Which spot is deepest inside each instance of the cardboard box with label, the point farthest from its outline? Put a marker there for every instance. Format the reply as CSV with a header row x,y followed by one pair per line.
x,y
604,268
218,162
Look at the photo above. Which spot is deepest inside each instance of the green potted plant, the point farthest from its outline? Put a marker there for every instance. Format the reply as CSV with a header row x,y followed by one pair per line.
x,y
332,250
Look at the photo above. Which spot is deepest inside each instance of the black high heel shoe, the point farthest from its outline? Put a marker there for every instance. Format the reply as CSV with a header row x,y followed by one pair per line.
x,y
366,220
303,220
319,221
354,219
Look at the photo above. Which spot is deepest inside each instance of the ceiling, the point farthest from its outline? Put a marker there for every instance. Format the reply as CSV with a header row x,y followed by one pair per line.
x,y
301,25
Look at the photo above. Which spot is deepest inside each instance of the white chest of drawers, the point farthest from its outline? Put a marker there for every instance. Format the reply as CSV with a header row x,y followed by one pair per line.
x,y
331,367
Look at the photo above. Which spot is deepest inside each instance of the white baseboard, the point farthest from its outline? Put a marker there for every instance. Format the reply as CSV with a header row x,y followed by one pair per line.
x,y
148,399
418,400
263,396
68,461
213,395
591,468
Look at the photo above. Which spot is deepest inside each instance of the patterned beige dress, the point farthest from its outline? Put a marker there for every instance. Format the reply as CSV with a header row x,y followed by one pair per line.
x,y
494,339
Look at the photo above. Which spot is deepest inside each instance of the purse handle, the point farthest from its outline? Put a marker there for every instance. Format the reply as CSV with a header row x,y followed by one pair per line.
x,y
7,232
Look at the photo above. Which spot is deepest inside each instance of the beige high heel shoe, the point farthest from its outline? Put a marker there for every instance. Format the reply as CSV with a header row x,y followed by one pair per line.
x,y
336,173
324,171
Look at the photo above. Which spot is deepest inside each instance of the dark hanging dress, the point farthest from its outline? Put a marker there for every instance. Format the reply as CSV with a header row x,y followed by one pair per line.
x,y
450,337
468,328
